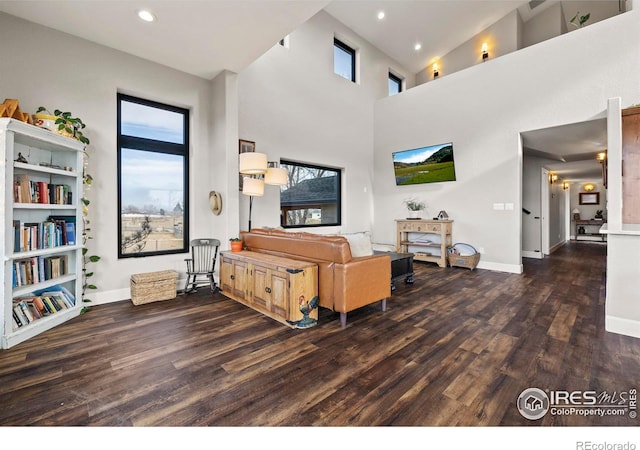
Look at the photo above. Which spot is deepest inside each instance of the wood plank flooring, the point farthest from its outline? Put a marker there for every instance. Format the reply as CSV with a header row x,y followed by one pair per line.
x,y
455,348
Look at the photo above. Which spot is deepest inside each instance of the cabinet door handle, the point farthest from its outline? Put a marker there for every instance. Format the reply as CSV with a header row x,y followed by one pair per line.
x,y
233,277
267,290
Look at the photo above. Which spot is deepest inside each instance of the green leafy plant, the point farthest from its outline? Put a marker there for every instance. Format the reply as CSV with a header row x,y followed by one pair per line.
x,y
86,236
235,239
414,205
578,21
73,126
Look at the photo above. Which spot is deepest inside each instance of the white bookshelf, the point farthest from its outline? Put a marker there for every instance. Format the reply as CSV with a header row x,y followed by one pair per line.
x,y
53,159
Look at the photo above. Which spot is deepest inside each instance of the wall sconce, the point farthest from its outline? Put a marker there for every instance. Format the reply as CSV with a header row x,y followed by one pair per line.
x,y
259,172
602,157
485,53
565,185
553,178
588,187
435,70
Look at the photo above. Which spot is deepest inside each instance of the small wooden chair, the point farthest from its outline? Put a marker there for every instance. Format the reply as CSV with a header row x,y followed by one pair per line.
x,y
204,253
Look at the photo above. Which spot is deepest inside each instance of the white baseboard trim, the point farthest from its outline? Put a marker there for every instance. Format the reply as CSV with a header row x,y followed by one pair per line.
x,y
118,295
499,267
556,247
529,254
104,297
622,326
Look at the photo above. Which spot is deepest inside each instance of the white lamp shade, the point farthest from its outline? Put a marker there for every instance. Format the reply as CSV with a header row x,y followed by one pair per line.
x,y
576,211
276,176
253,163
253,187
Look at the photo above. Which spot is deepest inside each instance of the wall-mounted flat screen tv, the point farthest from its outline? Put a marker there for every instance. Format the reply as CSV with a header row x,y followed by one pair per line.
x,y
431,164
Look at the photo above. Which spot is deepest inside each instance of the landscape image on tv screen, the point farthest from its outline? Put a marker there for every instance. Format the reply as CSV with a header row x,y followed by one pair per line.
x,y
424,165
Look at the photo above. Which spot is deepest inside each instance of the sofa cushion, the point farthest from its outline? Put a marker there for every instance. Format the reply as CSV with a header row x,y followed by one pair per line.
x,y
360,243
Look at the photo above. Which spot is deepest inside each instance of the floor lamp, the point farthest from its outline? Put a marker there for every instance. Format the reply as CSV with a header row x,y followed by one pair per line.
x,y
257,172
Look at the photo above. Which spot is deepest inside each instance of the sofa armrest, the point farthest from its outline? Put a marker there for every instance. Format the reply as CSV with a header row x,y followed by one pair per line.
x,y
362,281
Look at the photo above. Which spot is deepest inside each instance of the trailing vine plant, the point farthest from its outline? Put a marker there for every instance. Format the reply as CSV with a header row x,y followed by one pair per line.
x,y
87,259
73,127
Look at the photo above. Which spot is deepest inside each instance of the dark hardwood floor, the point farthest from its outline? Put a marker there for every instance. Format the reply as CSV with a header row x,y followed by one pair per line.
x,y
455,348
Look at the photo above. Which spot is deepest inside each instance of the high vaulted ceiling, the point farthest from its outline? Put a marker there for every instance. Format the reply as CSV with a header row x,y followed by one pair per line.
x,y
199,37
204,37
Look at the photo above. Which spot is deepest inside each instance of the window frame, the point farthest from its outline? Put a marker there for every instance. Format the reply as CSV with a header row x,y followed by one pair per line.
x,y
338,201
153,146
396,79
352,52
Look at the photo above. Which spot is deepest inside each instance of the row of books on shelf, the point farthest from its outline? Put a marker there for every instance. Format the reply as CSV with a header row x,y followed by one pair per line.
x,y
30,191
29,308
54,232
38,269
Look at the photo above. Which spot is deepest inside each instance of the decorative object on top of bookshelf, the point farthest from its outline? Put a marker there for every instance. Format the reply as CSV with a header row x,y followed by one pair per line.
x,y
11,109
415,208
61,122
578,21
589,198
442,215
21,159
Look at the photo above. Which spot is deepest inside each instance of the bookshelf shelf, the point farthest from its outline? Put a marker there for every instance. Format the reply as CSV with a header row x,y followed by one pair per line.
x,y
45,251
45,169
52,173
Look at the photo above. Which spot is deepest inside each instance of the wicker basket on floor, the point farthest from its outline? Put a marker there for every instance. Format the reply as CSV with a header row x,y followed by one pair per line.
x,y
465,261
153,286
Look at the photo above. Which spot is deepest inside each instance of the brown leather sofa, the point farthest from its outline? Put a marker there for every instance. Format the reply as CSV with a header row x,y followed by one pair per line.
x,y
345,283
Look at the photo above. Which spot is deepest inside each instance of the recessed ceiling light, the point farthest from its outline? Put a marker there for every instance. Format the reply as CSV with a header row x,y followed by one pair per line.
x,y
418,46
381,15
145,15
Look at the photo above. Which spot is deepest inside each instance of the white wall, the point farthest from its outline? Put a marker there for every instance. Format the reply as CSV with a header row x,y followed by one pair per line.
x,y
502,38
483,109
545,25
41,66
295,107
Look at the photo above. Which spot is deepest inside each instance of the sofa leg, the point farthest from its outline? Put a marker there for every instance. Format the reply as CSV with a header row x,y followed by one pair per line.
x,y
384,304
343,320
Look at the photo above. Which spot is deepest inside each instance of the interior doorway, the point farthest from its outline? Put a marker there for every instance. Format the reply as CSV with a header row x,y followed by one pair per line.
x,y
557,162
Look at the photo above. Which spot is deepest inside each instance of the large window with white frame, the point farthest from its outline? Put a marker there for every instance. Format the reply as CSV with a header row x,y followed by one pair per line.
x,y
153,178
312,196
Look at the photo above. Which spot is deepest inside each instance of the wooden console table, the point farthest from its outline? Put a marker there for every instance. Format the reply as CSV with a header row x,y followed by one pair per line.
x,y
428,239
280,288
589,223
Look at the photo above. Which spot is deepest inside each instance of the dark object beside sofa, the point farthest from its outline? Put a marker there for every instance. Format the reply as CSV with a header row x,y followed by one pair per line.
x,y
345,283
